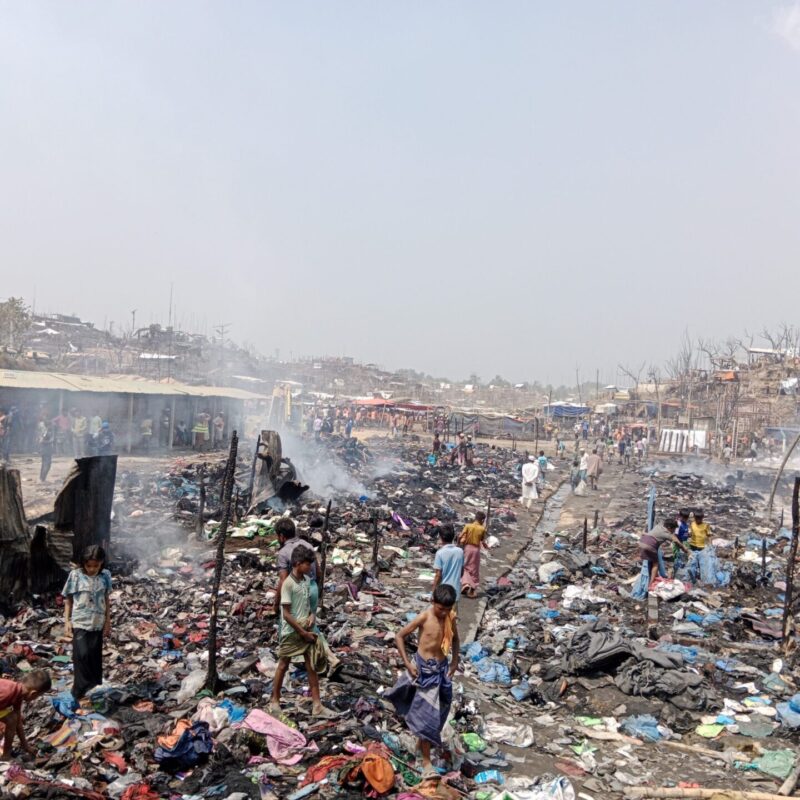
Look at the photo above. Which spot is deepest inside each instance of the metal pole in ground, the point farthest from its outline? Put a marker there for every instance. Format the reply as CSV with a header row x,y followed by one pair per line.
x,y
324,558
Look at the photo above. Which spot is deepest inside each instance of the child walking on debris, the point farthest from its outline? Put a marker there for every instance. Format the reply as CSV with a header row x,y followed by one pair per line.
x,y
472,539
448,562
12,695
699,531
296,635
423,694
87,618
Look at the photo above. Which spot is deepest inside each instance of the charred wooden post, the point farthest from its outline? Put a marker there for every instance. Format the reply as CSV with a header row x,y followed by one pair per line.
x,y
83,506
596,518
14,539
324,558
253,468
763,558
585,532
788,619
51,554
375,544
227,493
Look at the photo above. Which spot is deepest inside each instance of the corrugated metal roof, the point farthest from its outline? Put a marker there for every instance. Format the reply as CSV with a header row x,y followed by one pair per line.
x,y
219,391
115,384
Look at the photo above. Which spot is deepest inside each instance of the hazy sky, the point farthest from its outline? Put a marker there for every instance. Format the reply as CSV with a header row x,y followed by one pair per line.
x,y
512,187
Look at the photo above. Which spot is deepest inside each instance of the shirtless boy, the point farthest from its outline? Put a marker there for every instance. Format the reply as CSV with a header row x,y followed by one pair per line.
x,y
424,692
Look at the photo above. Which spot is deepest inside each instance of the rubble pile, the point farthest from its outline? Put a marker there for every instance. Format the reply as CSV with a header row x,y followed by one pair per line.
x,y
570,685
569,650
151,722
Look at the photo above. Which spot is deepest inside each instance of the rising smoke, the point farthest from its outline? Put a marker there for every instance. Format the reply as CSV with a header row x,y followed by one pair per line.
x,y
321,467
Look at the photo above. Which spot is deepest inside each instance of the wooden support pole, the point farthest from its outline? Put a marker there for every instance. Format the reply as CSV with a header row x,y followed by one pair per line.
x,y
585,532
786,457
201,508
130,422
788,786
253,471
324,558
788,617
375,544
171,433
227,492
596,517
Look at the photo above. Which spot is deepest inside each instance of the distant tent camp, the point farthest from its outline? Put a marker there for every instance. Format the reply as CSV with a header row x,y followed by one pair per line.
x,y
562,410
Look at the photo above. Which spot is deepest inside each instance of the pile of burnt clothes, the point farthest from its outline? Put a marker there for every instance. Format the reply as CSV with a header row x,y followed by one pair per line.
x,y
565,647
152,730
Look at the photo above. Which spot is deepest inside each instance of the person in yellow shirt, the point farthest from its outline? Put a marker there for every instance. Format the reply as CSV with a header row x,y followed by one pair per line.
x,y
472,539
699,531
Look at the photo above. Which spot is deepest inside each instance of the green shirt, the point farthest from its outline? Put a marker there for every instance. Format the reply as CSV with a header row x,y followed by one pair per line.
x,y
295,594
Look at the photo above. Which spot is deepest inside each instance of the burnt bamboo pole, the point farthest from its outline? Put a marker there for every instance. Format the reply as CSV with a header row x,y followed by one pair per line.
x,y
226,494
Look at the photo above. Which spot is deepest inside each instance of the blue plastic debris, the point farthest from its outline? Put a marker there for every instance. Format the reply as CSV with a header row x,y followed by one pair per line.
x,y
474,652
489,776
522,691
493,672
642,726
689,654
789,712
65,704
704,567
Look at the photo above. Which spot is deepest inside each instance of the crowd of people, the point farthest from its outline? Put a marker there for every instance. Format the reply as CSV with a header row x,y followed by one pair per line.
x,y
77,434
346,419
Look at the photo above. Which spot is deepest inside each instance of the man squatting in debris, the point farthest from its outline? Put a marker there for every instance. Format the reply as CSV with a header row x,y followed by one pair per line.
x,y
297,637
651,541
87,618
472,539
12,695
423,694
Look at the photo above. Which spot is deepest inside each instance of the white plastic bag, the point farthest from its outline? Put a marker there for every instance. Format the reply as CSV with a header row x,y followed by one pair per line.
x,y
191,685
580,489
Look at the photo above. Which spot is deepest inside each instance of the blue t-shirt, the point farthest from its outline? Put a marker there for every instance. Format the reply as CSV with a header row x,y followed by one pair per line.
x,y
450,560
542,466
683,530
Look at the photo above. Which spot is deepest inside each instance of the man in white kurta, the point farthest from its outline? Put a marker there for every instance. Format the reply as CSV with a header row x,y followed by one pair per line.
x,y
584,466
530,472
